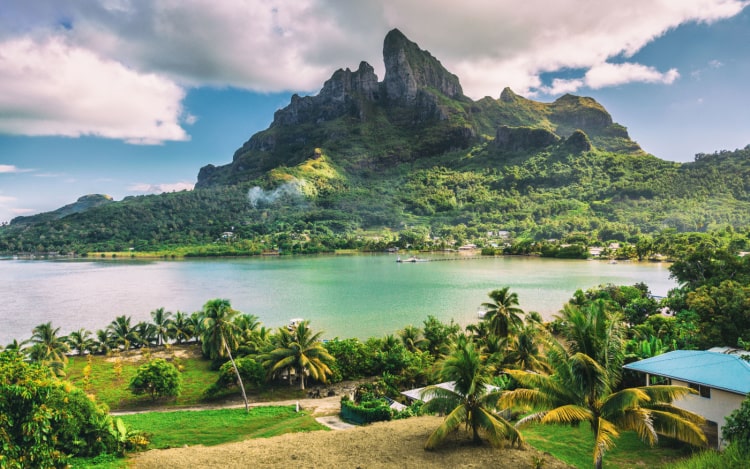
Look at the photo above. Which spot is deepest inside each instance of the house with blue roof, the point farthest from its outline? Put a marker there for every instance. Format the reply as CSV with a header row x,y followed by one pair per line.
x,y
720,377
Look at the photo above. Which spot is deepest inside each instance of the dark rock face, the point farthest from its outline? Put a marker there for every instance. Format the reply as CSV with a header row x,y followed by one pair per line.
x,y
524,138
408,69
339,96
578,142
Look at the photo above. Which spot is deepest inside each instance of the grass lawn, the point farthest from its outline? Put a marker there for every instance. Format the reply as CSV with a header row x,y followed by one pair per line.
x,y
111,375
576,446
214,427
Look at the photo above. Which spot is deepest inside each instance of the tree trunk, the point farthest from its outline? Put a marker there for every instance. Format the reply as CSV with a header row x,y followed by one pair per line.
x,y
237,372
301,379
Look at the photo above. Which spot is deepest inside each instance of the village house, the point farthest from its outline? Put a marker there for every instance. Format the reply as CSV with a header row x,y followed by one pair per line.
x,y
720,377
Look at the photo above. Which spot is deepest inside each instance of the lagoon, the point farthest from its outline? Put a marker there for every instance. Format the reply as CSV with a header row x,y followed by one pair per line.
x,y
343,295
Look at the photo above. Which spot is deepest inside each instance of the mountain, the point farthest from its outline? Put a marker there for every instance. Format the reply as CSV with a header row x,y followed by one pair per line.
x,y
408,159
83,204
417,112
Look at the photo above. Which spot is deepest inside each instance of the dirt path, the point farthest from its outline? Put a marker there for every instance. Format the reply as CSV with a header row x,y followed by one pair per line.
x,y
396,444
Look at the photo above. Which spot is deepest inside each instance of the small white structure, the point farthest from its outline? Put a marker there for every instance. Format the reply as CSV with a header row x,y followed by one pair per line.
x,y
720,376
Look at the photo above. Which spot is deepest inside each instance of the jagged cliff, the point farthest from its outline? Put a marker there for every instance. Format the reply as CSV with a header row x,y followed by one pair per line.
x,y
417,111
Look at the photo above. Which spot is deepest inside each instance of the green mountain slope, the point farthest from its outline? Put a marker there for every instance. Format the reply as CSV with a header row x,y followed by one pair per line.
x,y
365,158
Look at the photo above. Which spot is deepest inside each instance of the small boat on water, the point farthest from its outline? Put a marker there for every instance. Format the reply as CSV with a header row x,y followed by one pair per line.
x,y
411,259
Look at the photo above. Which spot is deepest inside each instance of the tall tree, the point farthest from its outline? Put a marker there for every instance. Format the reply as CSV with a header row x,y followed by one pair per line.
x,y
412,339
301,350
471,401
80,341
122,333
583,387
161,320
503,313
48,348
219,335
180,328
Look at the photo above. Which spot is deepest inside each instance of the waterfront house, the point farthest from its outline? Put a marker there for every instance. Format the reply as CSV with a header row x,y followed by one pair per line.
x,y
720,377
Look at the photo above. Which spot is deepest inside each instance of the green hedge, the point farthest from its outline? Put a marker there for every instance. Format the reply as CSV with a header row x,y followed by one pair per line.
x,y
368,412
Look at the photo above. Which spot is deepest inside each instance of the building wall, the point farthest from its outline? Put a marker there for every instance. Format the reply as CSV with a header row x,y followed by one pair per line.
x,y
715,408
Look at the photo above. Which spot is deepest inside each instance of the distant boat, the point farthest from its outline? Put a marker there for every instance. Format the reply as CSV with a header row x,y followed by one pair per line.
x,y
293,323
412,259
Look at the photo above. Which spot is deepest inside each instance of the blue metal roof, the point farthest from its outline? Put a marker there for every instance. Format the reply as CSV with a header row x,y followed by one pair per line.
x,y
717,370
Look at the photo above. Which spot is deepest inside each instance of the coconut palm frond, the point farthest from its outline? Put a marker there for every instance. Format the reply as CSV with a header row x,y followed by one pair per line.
x,y
666,393
639,420
520,397
497,428
685,414
567,414
605,439
622,400
451,422
674,426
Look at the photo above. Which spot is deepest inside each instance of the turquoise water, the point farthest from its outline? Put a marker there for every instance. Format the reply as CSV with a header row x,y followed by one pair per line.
x,y
345,296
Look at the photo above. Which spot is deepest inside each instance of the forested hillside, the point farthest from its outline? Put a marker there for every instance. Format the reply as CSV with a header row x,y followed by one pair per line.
x,y
411,160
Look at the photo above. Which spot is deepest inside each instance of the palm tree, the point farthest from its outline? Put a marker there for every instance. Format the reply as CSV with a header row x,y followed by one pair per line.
x,y
104,341
80,340
502,314
219,335
524,349
20,347
302,351
180,328
412,339
122,333
161,324
145,334
470,402
583,387
48,348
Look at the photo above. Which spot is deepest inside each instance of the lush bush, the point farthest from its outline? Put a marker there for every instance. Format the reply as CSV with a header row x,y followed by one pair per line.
x,y
737,428
43,420
251,372
157,378
368,411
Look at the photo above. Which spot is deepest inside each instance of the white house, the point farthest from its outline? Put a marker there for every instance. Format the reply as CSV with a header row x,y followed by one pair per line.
x,y
720,376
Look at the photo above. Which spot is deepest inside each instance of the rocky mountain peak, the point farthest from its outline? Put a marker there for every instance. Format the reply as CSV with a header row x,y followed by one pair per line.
x,y
408,69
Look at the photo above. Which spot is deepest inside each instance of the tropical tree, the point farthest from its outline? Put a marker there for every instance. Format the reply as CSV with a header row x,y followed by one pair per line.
x,y
503,314
104,341
48,348
219,335
582,387
161,320
525,349
180,328
80,340
145,334
472,401
122,334
412,339
301,350
157,378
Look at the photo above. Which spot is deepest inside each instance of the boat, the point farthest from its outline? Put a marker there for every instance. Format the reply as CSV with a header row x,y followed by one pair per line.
x,y
412,259
293,323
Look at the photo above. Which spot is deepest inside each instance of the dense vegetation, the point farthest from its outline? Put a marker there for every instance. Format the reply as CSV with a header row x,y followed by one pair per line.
x,y
553,369
596,195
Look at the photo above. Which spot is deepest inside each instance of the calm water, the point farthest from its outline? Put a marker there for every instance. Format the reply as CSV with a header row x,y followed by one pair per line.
x,y
345,296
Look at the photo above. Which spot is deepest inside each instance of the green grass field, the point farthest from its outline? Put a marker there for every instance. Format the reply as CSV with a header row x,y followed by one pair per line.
x,y
214,427
576,446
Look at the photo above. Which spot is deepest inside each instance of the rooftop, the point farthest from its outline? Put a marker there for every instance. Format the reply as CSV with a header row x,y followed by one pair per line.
x,y
725,371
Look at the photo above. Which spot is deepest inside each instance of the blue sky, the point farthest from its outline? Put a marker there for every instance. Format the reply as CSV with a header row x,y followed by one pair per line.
x,y
128,97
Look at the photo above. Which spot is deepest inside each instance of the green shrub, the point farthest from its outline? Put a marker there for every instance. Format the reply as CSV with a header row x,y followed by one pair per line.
x,y
376,410
157,378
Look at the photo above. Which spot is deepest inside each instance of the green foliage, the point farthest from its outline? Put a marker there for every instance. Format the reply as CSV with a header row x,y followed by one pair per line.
x,y
367,411
214,427
737,428
43,420
252,373
157,378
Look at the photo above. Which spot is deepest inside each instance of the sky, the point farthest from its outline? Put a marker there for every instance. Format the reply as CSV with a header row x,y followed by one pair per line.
x,y
131,97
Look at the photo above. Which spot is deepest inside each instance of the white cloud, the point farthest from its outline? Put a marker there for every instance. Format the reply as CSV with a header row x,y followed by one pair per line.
x,y
145,188
4,199
52,88
119,68
6,168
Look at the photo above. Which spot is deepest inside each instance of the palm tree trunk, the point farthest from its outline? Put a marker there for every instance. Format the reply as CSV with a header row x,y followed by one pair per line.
x,y
301,379
236,372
